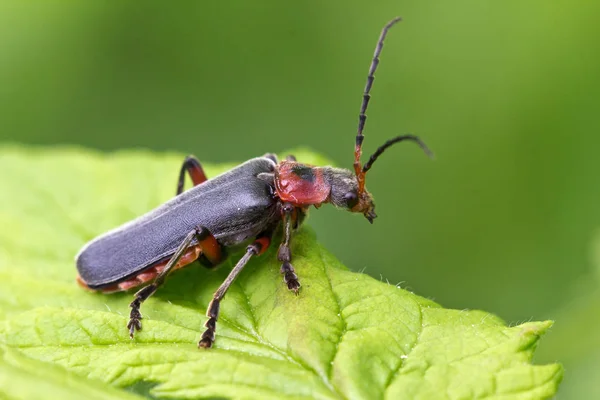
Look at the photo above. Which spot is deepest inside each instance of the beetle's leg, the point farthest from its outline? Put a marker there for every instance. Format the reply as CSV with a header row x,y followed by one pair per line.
x,y
259,246
210,249
194,169
290,157
272,157
268,177
284,254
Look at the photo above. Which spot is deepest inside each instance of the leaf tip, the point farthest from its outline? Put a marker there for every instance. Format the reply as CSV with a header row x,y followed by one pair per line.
x,y
535,328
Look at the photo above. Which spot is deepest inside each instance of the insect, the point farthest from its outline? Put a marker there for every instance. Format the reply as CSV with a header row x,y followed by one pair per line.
x,y
243,206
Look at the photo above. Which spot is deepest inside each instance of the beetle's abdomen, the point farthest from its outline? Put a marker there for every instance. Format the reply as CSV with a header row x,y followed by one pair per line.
x,y
147,274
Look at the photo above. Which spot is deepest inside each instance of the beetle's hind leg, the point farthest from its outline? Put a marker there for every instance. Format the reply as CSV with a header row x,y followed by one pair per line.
x,y
194,170
258,247
211,250
290,219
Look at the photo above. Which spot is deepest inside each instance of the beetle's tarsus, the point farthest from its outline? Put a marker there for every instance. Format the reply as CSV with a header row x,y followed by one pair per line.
x,y
132,326
289,277
294,286
208,337
135,316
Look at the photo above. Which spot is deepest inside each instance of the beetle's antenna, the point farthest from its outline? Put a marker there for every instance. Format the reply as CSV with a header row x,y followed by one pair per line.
x,y
362,116
389,143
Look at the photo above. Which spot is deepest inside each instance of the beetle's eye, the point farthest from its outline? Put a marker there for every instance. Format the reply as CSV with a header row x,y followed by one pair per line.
x,y
351,199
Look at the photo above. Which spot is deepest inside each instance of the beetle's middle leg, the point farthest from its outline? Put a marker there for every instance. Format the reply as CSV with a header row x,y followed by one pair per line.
x,y
211,250
258,247
195,171
290,216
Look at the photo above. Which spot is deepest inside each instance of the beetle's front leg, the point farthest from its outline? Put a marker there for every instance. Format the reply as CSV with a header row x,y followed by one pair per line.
x,y
285,254
211,250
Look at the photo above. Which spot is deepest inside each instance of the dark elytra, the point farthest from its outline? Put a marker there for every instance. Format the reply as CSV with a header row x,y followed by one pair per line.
x,y
234,206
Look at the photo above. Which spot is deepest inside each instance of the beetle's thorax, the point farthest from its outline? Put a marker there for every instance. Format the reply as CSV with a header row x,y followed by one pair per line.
x,y
304,185
301,184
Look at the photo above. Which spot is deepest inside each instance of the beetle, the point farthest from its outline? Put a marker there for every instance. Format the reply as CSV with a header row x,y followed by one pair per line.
x,y
243,206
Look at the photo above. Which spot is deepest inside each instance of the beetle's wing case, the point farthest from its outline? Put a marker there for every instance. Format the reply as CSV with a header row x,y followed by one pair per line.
x,y
234,206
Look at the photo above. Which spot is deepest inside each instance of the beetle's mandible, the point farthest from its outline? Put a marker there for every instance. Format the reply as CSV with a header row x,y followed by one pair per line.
x,y
247,204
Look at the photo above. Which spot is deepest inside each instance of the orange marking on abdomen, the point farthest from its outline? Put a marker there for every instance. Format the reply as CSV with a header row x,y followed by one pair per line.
x,y
130,283
148,274
107,289
82,283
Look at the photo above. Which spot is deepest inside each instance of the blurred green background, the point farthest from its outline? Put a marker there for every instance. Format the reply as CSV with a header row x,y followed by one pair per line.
x,y
505,93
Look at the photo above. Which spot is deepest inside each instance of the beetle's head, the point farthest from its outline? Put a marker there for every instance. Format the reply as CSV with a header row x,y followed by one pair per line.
x,y
345,193
364,200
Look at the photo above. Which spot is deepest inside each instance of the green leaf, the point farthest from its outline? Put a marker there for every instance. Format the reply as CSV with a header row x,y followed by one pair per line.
x,y
22,378
346,335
